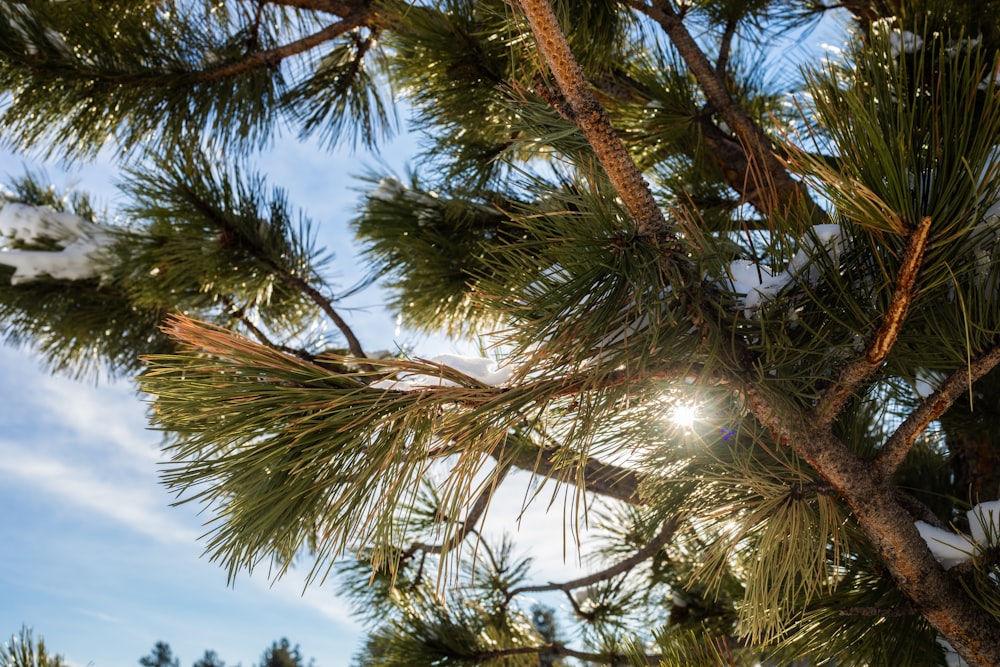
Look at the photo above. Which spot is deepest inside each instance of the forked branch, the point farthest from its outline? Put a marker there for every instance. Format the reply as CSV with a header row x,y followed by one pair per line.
x,y
890,529
776,191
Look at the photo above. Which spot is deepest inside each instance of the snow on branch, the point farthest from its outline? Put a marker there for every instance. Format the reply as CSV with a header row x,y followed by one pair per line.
x,y
951,548
759,285
482,370
81,243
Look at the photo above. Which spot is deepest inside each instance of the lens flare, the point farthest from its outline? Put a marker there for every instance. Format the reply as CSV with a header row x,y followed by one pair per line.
x,y
684,415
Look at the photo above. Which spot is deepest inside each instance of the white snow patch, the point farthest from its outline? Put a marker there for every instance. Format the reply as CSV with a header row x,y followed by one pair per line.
x,y
481,369
904,41
760,285
951,549
948,548
83,243
984,522
951,656
927,382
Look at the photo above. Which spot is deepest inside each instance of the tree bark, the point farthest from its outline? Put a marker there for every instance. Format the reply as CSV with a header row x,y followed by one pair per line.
x,y
939,597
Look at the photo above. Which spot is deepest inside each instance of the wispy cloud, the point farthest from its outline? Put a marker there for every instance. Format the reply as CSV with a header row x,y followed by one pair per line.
x,y
136,506
110,418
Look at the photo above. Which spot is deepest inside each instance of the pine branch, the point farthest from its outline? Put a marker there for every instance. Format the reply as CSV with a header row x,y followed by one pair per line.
x,y
342,8
725,47
778,191
468,524
593,121
854,373
878,612
239,312
895,449
317,297
598,477
556,649
648,551
272,57
203,207
939,598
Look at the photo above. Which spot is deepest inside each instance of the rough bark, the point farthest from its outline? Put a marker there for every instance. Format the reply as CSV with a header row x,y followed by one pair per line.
x,y
939,597
593,121
774,189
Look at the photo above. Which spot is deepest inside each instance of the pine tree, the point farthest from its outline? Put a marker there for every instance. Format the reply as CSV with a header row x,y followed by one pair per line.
x,y
755,312
160,656
282,654
210,659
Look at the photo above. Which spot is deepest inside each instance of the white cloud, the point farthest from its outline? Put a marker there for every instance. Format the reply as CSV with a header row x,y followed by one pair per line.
x,y
109,417
136,506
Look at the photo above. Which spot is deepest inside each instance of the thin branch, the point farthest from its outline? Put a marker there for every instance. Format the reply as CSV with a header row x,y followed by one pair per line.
x,y
854,373
353,344
272,57
337,7
662,538
918,511
556,649
785,193
313,294
468,527
602,478
240,313
879,612
725,47
898,445
593,121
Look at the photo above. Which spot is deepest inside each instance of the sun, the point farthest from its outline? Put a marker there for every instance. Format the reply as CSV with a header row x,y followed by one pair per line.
x,y
684,415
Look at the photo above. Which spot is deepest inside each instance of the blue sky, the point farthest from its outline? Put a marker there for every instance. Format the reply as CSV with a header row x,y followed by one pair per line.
x,y
93,557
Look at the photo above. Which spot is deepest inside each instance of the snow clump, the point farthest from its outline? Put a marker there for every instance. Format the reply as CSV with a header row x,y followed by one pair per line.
x,y
480,369
759,285
82,243
951,549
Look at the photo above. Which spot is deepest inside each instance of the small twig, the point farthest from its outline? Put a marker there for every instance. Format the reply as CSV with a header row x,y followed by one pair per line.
x,y
837,395
340,8
553,100
468,526
593,120
253,41
880,612
239,312
353,344
313,294
621,567
918,510
899,443
556,649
